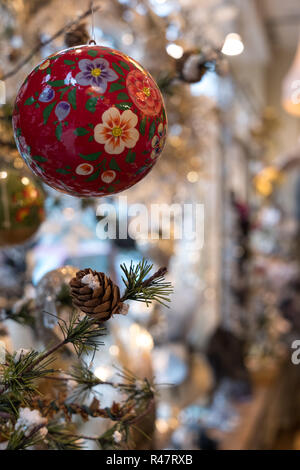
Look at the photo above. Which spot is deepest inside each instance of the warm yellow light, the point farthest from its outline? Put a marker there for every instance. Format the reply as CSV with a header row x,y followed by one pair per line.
x,y
233,44
291,87
18,163
25,180
192,176
161,425
264,187
103,373
3,174
174,50
140,337
265,180
173,423
144,340
271,173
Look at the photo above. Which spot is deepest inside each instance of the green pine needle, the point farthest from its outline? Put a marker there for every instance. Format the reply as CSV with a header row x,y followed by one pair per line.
x,y
19,377
59,437
82,333
85,379
18,440
141,289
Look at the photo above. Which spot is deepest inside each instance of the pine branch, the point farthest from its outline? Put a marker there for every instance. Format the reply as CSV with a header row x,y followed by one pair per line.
x,y
82,333
132,386
19,441
107,439
138,288
18,377
86,381
61,438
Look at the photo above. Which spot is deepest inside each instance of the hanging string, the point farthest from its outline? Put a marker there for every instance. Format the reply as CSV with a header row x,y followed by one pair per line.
x,y
93,40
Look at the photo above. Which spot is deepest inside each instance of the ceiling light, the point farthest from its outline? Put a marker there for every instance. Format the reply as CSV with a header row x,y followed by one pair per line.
x,y
174,50
233,44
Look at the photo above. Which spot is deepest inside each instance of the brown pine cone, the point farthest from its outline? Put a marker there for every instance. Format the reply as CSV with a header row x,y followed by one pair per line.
x,y
77,36
95,294
191,67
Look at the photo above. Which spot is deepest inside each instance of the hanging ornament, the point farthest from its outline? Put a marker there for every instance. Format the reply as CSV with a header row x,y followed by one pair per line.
x,y
90,121
53,302
21,207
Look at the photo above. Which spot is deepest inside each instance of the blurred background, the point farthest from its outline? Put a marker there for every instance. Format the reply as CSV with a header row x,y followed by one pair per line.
x,y
229,71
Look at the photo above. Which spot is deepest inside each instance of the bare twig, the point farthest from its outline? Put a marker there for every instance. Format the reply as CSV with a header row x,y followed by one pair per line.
x,y
136,419
160,273
39,46
48,353
66,379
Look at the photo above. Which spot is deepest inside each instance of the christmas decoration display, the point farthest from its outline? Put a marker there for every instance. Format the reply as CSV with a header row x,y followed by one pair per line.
x,y
21,207
228,150
31,419
90,121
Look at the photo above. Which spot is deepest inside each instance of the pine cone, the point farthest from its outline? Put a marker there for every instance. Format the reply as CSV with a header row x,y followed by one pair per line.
x,y
77,36
191,67
95,294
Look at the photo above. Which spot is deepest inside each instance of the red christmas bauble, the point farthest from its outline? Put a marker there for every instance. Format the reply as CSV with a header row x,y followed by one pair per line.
x,y
90,121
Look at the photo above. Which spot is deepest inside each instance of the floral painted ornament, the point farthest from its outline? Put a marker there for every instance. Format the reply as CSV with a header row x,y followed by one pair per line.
x,y
90,121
